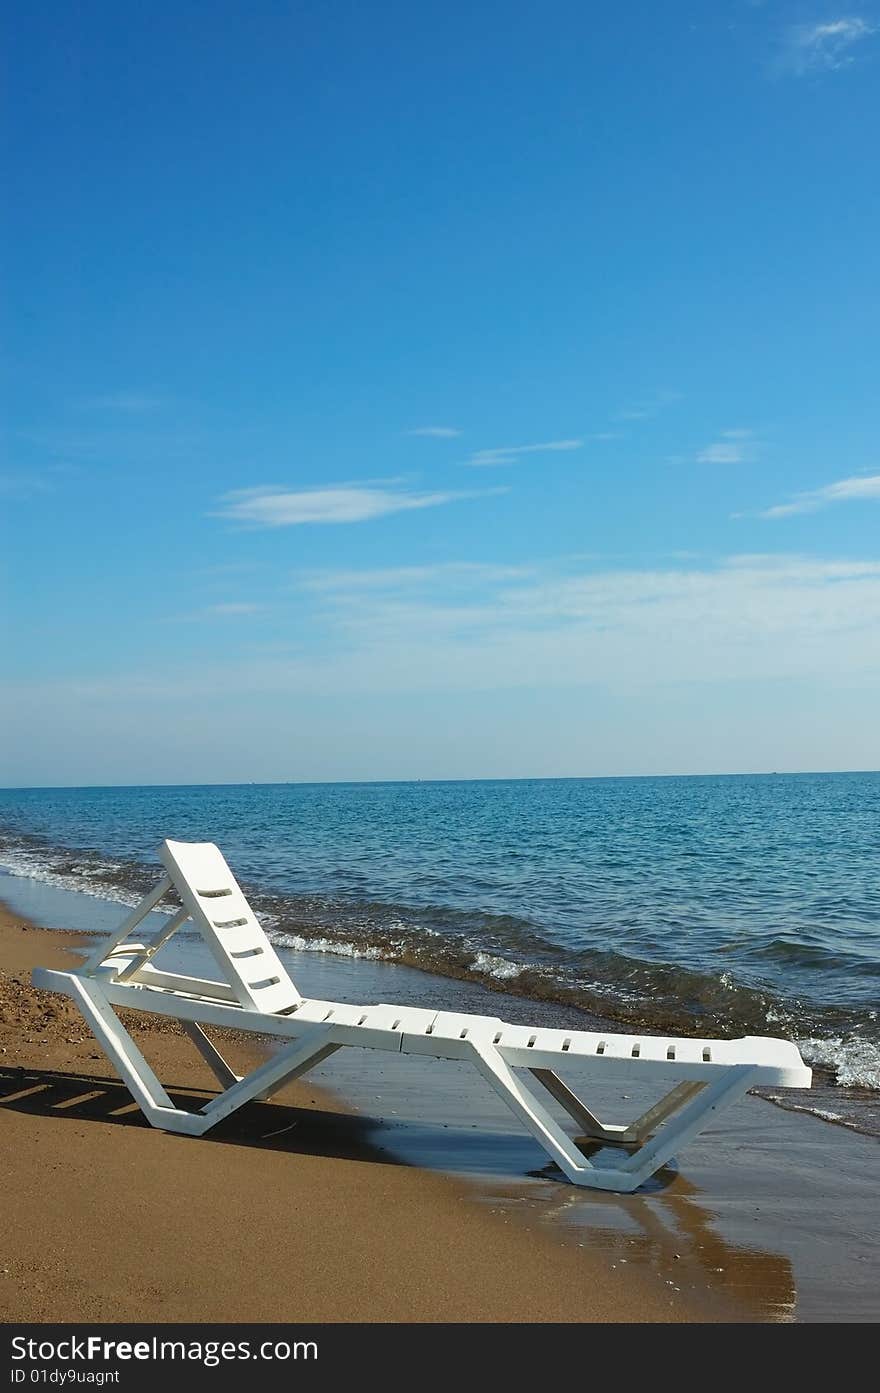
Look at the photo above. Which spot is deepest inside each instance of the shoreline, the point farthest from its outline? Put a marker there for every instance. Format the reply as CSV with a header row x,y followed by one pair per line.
x,y
286,1212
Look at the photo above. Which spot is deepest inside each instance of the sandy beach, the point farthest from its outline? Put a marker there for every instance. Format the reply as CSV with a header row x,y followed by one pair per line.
x,y
287,1213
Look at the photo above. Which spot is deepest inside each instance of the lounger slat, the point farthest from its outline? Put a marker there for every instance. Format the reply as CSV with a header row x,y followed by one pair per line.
x,y
451,1035
330,1011
373,1027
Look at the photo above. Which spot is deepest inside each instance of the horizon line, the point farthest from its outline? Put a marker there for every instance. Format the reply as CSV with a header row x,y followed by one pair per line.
x,y
480,779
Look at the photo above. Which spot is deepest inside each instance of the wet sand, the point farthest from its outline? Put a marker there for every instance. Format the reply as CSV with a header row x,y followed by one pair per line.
x,y
289,1211
426,1204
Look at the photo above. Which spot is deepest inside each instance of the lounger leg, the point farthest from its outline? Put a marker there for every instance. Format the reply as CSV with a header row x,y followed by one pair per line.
x,y
592,1129
543,1127
125,1056
282,1068
649,1121
297,1071
577,1110
217,1064
148,1092
210,1054
633,1170
711,1099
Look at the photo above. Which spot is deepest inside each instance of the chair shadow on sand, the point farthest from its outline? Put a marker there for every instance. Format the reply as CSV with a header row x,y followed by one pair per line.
x,y
663,1226
274,1126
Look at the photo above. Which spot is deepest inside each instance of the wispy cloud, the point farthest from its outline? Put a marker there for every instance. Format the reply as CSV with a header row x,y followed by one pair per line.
x,y
733,447
649,406
127,402
232,608
436,432
279,507
506,454
443,573
860,486
222,570
827,47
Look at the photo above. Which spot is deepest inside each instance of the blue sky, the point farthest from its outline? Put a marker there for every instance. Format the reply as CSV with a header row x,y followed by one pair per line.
x,y
440,391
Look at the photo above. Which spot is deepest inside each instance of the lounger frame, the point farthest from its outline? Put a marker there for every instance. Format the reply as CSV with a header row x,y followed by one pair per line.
x,y
700,1077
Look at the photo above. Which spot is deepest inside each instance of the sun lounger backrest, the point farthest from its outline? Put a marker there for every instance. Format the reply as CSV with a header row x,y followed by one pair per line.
x,y
232,931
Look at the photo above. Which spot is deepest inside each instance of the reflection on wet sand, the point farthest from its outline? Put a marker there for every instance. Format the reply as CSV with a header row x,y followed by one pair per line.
x,y
665,1227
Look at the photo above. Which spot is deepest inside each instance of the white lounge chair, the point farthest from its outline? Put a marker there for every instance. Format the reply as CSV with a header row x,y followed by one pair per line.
x,y
256,994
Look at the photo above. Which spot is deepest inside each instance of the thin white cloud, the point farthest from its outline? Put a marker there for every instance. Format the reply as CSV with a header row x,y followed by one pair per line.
x,y
734,447
341,503
721,452
649,406
232,608
860,486
506,454
224,569
407,577
436,432
825,47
